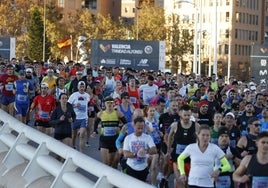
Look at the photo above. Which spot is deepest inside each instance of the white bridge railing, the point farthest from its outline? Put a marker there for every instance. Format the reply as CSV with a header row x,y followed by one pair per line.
x,y
25,144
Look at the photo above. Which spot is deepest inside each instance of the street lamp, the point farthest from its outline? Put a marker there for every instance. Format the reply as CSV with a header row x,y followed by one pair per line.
x,y
44,33
195,33
215,66
137,22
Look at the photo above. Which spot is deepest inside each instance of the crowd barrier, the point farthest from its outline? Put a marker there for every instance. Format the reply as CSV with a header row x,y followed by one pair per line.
x,y
22,143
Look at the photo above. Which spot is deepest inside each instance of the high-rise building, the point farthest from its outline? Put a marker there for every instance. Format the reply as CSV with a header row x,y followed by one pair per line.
x,y
226,32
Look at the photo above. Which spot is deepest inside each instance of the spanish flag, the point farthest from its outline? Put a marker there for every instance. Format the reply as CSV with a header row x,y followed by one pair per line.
x,y
65,43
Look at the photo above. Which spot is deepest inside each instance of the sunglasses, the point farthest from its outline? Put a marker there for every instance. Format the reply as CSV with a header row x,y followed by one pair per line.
x,y
257,124
126,98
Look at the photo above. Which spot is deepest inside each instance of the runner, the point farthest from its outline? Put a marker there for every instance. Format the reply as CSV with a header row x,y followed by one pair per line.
x,y
203,155
252,171
182,133
22,90
137,148
79,100
61,119
43,104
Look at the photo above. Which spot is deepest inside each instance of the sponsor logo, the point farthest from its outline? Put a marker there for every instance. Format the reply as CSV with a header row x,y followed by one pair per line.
x,y
125,62
105,48
143,63
108,61
148,49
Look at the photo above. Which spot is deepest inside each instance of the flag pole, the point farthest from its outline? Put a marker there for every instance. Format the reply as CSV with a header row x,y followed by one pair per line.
x,y
71,47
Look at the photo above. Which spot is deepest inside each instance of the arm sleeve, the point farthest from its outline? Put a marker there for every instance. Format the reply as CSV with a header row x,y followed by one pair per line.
x,y
96,123
119,140
180,161
225,165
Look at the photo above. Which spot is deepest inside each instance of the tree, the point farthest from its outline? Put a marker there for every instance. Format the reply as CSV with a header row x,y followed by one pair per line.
x,y
151,22
35,37
180,41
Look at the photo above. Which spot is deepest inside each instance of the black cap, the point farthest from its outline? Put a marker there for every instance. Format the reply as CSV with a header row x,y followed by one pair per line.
x,y
223,130
108,99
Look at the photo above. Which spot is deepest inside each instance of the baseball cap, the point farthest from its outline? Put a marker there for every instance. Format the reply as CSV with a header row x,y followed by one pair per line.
x,y
230,114
246,90
81,83
44,84
29,70
223,130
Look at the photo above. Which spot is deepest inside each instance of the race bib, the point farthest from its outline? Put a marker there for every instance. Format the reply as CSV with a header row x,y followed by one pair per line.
x,y
259,181
44,115
9,87
223,182
109,131
21,98
91,108
133,100
180,148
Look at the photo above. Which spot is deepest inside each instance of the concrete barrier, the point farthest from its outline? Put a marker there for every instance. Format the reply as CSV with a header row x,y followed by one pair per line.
x,y
27,159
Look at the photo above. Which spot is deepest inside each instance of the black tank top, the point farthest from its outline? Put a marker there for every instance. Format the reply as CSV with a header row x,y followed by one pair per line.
x,y
251,144
182,138
255,169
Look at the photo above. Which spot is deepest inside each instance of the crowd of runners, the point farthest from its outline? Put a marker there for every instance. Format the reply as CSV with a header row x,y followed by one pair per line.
x,y
206,131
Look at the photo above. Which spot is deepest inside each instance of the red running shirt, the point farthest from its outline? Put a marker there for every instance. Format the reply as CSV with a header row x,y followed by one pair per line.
x,y
44,107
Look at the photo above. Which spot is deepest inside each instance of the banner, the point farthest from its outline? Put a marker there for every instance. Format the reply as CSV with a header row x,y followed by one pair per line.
x,y
138,55
66,43
259,65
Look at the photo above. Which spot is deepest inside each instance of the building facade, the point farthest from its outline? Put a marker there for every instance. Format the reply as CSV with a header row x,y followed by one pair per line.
x,y
227,30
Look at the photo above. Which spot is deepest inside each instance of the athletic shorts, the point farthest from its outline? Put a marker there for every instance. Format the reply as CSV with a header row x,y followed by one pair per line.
x,y
21,109
6,100
141,175
42,124
59,136
108,144
79,123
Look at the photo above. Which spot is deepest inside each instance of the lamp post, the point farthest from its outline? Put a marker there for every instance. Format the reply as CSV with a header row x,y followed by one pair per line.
x,y
195,33
215,66
137,22
44,33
